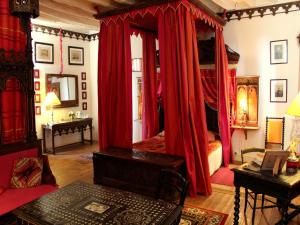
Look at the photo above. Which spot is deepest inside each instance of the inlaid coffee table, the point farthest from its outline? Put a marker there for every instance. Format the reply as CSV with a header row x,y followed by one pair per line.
x,y
86,204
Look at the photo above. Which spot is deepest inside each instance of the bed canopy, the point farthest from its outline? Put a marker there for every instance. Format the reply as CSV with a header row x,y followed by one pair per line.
x,y
176,24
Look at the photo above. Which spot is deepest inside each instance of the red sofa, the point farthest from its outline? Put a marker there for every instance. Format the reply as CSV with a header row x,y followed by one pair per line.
x,y
10,199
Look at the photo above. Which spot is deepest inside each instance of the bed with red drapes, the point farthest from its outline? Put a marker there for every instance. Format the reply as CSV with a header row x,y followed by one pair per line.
x,y
182,89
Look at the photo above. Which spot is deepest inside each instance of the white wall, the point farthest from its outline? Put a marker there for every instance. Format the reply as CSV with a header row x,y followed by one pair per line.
x,y
251,39
62,113
136,52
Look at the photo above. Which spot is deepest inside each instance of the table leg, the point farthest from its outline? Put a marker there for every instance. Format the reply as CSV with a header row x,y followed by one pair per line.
x,y
236,205
53,144
91,134
82,135
44,140
285,216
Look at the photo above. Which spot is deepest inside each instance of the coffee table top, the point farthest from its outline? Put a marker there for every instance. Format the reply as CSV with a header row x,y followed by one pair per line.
x,y
82,203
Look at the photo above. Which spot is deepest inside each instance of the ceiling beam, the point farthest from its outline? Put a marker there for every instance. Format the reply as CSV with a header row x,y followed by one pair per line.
x,y
80,4
62,8
64,14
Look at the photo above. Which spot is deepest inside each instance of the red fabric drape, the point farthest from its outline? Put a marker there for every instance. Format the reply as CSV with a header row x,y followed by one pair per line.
x,y
221,63
232,91
185,124
11,34
12,99
149,108
210,90
12,111
115,86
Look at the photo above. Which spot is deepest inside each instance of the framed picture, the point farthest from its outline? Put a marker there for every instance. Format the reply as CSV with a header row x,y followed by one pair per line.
x,y
83,85
137,65
76,55
84,106
37,98
84,95
36,74
278,90
83,75
37,86
279,52
38,110
44,52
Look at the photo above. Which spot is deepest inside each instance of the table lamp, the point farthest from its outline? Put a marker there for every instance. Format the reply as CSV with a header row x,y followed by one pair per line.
x,y
50,101
294,110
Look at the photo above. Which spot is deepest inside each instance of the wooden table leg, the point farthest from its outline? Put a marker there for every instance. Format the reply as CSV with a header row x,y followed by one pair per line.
x,y
236,205
82,135
91,134
44,140
53,144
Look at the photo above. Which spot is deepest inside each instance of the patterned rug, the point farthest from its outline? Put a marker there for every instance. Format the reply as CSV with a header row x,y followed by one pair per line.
x,y
196,216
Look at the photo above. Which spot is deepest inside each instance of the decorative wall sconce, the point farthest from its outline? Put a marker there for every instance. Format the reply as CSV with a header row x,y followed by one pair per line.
x,y
246,103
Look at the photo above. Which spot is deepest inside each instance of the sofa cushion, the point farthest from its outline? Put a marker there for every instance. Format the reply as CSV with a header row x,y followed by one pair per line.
x,y
13,198
7,163
27,172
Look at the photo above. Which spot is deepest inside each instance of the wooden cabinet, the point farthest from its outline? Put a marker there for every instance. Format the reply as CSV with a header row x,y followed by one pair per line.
x,y
133,170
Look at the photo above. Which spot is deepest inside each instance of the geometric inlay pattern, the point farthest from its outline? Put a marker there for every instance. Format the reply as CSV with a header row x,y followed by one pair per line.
x,y
81,204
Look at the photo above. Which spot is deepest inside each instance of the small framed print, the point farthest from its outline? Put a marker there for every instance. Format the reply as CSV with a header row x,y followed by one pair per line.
x,y
36,74
84,106
83,76
137,65
37,86
278,90
44,52
279,52
38,110
84,95
83,85
76,55
37,98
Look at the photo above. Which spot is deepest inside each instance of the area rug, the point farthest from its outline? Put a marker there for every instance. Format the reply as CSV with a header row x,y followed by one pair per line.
x,y
86,156
223,176
196,216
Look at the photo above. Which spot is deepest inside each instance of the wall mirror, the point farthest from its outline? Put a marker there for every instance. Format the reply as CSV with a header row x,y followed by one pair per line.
x,y
65,87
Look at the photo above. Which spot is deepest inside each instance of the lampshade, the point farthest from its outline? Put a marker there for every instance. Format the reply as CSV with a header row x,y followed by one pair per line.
x,y
294,108
51,99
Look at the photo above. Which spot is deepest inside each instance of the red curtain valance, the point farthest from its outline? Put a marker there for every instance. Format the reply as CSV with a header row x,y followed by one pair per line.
x,y
154,10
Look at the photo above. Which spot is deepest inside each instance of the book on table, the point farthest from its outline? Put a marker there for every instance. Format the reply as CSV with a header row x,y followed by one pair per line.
x,y
271,160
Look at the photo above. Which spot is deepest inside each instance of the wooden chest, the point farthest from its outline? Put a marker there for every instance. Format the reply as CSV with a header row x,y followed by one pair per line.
x,y
133,170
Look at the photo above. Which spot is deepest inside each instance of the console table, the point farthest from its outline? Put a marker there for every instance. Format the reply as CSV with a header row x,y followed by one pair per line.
x,y
76,125
283,187
84,204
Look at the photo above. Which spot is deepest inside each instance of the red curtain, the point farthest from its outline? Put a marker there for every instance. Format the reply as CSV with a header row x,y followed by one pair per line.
x,y
149,108
12,112
185,123
210,91
12,99
11,34
221,63
115,86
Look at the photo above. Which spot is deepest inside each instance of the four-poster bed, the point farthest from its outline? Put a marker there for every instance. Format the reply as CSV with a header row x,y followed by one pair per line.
x,y
176,23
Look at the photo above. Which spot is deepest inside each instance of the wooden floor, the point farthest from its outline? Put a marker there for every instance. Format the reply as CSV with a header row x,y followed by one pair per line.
x,y
74,164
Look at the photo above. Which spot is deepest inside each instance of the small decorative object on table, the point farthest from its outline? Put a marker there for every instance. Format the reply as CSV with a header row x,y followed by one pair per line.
x,y
292,161
71,115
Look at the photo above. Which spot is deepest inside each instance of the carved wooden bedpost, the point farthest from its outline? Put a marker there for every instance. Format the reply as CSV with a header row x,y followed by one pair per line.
x,y
26,9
